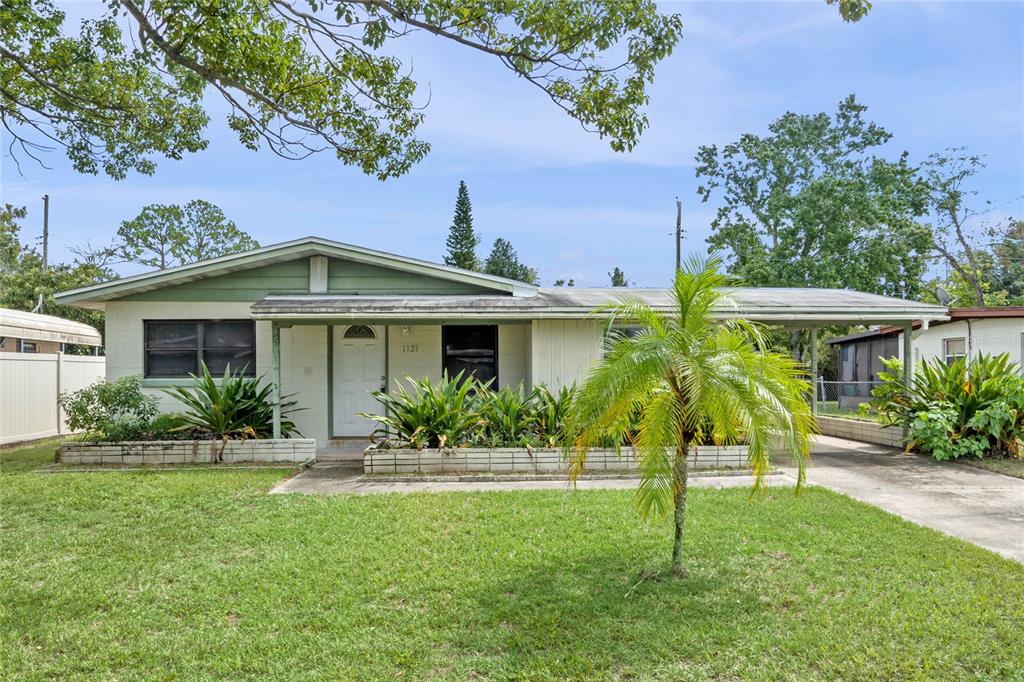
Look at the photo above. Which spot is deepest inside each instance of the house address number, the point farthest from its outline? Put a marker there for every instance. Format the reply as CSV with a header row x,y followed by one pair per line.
x,y
410,348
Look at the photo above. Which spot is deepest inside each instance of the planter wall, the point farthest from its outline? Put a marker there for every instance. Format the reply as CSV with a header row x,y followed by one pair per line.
x,y
520,460
864,431
189,451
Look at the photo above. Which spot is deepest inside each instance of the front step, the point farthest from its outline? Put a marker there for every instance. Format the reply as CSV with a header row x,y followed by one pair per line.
x,y
343,450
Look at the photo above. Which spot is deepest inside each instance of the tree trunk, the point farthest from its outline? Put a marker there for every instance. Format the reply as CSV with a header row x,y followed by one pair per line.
x,y
679,498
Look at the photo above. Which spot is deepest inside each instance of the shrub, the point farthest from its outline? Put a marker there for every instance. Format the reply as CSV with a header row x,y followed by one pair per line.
x,y
965,409
507,418
457,412
236,407
110,410
429,415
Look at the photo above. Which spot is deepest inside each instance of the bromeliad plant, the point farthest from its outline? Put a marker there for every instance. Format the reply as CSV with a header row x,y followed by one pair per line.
x,y
429,415
968,408
457,412
235,407
685,374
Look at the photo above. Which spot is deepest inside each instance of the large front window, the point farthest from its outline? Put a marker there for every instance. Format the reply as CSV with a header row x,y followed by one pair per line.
x,y
471,349
177,348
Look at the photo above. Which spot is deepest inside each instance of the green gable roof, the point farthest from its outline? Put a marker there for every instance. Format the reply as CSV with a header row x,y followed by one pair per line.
x,y
284,268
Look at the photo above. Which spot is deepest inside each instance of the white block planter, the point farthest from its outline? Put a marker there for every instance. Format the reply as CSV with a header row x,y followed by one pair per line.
x,y
189,451
520,460
864,431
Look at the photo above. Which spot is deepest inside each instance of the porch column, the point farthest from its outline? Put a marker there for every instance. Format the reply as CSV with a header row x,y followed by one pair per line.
x,y
908,367
275,374
814,371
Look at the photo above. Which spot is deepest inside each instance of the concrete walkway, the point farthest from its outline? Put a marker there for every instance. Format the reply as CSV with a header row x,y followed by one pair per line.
x,y
333,479
982,507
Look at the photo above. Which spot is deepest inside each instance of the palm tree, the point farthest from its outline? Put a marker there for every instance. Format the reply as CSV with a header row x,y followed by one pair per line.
x,y
687,377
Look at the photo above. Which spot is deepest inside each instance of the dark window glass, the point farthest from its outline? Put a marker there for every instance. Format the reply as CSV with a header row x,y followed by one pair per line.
x,y
471,349
171,335
176,348
227,335
359,331
170,363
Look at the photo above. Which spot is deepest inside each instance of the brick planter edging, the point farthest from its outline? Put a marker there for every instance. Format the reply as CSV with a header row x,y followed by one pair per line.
x,y
515,460
188,451
864,431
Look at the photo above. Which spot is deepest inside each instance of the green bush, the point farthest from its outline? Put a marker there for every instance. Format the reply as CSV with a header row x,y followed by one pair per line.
x,y
429,415
111,410
236,406
965,409
456,412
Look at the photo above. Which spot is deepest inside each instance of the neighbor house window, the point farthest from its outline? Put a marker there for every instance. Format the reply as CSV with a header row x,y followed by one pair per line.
x,y
177,348
28,347
954,349
471,349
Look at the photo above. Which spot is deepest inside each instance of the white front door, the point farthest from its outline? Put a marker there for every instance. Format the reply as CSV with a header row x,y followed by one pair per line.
x,y
358,372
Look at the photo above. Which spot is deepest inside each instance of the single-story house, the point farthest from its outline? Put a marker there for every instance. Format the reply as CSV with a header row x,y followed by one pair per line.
x,y
331,323
967,333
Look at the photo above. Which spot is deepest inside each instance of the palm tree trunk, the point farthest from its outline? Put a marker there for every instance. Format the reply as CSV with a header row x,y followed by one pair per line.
x,y
679,498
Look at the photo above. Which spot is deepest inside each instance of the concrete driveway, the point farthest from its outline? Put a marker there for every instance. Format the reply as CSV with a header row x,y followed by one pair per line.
x,y
981,507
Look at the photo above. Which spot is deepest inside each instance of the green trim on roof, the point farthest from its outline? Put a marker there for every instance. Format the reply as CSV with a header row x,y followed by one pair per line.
x,y
301,248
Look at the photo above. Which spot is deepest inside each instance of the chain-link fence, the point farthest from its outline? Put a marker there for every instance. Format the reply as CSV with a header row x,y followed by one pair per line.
x,y
839,397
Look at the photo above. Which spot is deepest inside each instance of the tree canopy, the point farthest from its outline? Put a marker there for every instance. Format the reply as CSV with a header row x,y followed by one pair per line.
x,y
503,261
306,76
811,204
163,236
23,277
462,240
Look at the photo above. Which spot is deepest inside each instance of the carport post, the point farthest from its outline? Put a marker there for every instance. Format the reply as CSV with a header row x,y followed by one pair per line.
x,y
814,371
908,368
275,374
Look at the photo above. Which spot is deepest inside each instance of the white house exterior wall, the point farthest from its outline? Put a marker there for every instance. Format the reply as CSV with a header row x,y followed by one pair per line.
x,y
414,350
992,336
124,336
514,355
304,374
564,351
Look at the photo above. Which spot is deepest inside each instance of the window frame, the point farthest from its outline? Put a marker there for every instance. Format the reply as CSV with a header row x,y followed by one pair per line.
x,y
444,348
200,349
950,359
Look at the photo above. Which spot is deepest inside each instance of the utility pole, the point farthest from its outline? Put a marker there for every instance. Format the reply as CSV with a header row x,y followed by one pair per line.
x,y
679,234
46,232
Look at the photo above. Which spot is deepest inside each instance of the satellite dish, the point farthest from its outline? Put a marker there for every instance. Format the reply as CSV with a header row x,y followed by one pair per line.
x,y
943,296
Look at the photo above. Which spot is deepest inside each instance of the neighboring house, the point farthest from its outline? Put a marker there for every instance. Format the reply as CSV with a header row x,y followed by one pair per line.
x,y
967,332
337,322
22,332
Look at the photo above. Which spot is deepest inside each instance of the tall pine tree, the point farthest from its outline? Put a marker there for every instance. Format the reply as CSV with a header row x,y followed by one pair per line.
x,y
462,240
618,278
504,262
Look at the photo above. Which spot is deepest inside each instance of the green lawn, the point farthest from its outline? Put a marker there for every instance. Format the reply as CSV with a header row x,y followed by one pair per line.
x,y
201,574
830,408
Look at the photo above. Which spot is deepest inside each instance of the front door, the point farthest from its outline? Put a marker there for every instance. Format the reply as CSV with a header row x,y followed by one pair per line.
x,y
358,372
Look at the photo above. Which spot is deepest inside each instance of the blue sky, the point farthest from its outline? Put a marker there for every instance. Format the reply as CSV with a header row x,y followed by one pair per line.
x,y
936,74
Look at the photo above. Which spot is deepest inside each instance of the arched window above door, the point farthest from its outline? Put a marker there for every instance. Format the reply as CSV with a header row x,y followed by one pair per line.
x,y
360,331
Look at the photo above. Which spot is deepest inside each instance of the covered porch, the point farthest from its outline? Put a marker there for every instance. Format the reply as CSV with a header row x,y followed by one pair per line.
x,y
333,351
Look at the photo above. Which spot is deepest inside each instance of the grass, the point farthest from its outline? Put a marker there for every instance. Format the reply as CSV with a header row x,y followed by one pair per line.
x,y
201,574
830,408
1000,465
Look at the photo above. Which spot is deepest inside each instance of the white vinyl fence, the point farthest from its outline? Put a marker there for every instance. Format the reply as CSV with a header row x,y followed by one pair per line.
x,y
29,386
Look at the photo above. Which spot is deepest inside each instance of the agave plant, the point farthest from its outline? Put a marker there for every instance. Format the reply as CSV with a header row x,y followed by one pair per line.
x,y
429,415
235,407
